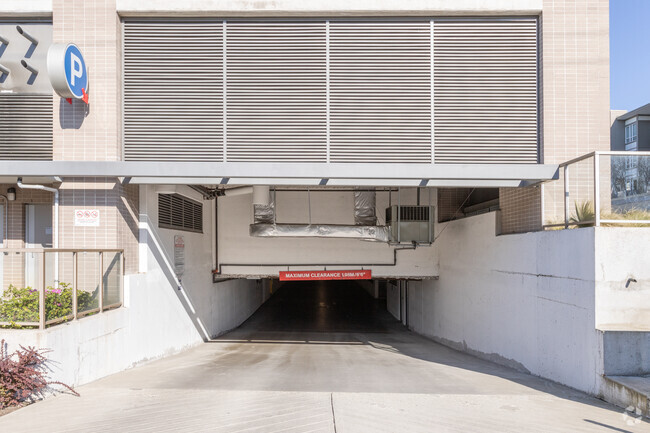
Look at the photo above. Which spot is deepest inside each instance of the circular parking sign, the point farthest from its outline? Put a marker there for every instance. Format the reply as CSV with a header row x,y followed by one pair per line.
x,y
67,70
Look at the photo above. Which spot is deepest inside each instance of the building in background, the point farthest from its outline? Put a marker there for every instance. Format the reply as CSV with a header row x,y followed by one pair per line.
x,y
631,133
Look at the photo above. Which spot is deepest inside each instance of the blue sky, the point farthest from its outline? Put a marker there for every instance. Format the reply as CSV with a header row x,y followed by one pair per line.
x,y
629,40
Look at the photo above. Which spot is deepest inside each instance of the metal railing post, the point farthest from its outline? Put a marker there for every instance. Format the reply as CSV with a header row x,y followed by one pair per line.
x,y
101,281
41,296
597,188
566,196
121,277
75,281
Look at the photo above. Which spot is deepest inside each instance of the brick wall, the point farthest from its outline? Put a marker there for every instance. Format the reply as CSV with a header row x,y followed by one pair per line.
x,y
92,133
449,202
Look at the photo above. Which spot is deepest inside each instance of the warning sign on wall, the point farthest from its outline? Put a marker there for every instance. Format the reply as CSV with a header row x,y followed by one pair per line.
x,y
86,217
179,255
325,275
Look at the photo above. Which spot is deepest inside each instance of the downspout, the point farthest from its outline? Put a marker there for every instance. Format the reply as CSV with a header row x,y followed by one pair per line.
x,y
55,221
5,241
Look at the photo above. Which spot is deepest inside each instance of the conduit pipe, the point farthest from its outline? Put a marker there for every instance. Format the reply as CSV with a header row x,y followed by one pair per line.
x,y
5,241
55,222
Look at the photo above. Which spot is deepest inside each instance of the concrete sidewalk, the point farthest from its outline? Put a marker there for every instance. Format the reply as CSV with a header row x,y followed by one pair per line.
x,y
311,365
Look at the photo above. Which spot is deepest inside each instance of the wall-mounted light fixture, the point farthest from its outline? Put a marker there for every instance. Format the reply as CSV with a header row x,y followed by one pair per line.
x,y
11,194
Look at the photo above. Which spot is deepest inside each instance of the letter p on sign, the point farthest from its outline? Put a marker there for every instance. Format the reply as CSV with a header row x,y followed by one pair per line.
x,y
77,71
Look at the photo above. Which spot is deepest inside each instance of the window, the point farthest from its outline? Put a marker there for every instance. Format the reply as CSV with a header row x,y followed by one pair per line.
x,y
181,213
631,132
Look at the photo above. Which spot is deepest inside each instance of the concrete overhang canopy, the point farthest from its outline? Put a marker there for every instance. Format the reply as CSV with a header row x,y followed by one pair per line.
x,y
334,174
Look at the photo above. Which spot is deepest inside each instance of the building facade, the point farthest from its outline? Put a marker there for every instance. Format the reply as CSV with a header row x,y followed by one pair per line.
x,y
217,144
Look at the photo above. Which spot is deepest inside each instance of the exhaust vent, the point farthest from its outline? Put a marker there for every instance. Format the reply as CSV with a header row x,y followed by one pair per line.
x,y
410,223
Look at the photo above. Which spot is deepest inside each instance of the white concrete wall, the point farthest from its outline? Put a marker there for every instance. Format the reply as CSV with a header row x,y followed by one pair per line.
x,y
622,257
525,300
393,300
157,319
334,7
26,8
236,246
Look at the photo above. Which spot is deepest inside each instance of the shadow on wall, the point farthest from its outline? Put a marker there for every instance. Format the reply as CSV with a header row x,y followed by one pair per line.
x,y
154,244
72,115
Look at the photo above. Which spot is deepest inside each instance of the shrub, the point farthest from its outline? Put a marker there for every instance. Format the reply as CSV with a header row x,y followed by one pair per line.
x,y
21,304
23,375
584,215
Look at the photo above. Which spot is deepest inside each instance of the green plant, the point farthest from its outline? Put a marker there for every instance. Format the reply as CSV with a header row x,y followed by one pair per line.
x,y
584,214
21,304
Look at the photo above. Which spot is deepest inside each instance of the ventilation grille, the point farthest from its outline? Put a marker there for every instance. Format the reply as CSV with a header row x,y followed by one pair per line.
x,y
338,90
485,91
276,105
380,91
173,100
408,213
178,212
25,127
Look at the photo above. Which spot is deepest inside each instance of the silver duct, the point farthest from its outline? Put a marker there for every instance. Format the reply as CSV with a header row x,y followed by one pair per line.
x,y
367,233
365,203
263,205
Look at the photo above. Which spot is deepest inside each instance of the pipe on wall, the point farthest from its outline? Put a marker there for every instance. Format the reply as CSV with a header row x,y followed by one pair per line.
x,y
5,240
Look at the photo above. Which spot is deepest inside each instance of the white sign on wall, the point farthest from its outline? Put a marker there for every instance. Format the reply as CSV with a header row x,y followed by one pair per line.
x,y
179,255
86,217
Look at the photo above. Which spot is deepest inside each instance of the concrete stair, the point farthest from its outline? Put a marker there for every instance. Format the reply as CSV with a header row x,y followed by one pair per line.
x,y
629,392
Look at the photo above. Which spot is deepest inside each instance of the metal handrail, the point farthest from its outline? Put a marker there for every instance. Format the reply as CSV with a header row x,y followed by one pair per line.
x,y
75,314
598,219
606,153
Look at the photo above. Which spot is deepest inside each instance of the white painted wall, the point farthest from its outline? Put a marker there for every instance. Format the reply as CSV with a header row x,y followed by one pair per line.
x,y
524,300
236,246
621,257
371,7
393,300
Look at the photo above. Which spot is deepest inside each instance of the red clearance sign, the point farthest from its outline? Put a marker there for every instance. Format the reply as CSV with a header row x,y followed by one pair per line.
x,y
325,275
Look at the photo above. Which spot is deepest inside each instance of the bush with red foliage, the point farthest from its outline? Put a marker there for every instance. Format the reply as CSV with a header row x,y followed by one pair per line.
x,y
23,375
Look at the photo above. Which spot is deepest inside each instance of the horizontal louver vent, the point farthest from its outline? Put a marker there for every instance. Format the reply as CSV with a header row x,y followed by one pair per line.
x,y
485,91
178,212
338,90
25,127
173,102
380,92
276,107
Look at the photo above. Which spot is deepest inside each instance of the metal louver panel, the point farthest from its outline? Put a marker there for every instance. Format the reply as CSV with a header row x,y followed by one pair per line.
x,y
180,213
173,91
485,91
380,91
276,97
25,127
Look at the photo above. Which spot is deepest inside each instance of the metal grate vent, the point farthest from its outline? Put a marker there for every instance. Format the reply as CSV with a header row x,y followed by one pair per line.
x,y
25,127
178,212
173,102
485,91
276,87
441,90
380,91
408,213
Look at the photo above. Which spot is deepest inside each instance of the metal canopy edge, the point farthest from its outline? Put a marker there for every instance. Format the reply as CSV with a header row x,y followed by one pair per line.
x,y
214,173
